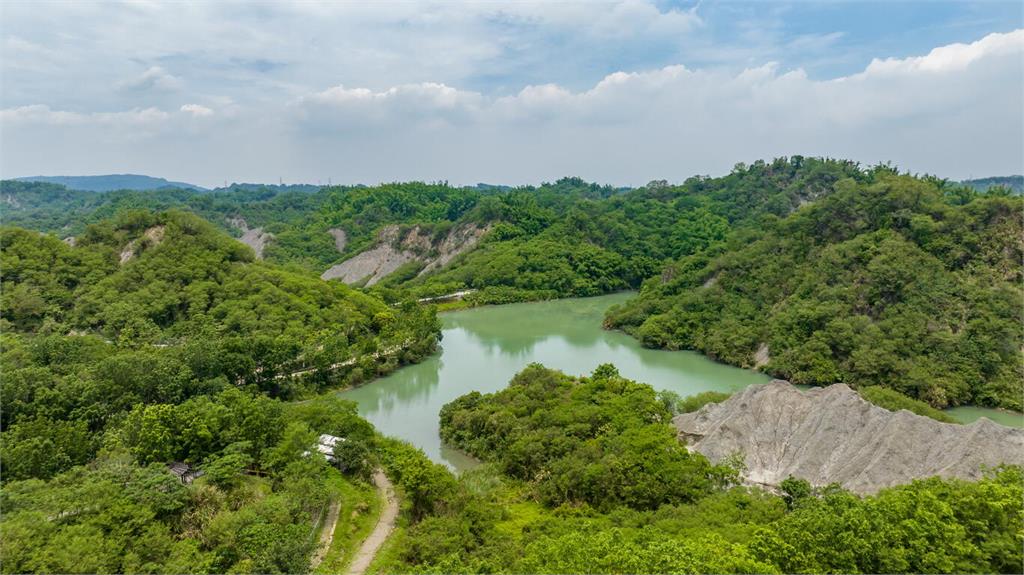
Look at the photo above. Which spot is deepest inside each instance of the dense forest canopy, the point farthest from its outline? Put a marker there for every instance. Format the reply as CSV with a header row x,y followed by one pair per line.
x,y
893,281
159,308
254,510
154,339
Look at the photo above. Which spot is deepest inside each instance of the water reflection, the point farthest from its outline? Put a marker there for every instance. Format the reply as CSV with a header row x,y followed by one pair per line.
x,y
483,348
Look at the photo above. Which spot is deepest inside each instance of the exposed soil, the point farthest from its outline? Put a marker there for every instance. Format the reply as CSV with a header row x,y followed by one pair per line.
x,y
340,239
385,525
392,252
831,434
153,235
255,238
326,536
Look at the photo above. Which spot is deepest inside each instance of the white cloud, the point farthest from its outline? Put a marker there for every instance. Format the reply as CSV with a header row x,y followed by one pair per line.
x,y
949,78
955,111
21,54
924,113
427,102
42,115
197,110
954,57
154,78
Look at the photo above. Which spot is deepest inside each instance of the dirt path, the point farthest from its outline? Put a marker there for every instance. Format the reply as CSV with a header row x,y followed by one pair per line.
x,y
326,535
333,366
385,525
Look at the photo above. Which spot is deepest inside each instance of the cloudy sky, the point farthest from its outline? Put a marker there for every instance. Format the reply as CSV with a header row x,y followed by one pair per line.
x,y
615,92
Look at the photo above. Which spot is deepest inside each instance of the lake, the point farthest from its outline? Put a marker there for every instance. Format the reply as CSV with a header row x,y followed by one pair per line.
x,y
482,348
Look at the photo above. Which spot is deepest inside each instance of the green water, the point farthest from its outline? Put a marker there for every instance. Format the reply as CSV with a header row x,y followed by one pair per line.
x,y
483,348
969,413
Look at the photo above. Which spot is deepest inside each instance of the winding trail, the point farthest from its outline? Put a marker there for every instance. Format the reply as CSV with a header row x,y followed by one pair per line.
x,y
326,535
385,525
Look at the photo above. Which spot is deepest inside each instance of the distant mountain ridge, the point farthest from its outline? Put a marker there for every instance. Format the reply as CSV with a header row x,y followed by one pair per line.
x,y
1014,183
304,188
110,182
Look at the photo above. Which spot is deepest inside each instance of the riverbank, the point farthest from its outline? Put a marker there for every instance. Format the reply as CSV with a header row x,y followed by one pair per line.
x,y
483,347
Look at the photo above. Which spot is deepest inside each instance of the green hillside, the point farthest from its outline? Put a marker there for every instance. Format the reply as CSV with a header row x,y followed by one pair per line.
x,y
894,281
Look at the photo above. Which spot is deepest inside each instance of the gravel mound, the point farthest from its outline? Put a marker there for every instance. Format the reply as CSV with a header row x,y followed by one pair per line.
x,y
832,435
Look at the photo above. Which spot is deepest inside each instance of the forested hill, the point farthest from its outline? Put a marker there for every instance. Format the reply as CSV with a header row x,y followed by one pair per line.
x,y
1012,184
891,280
161,307
547,243
156,339
813,269
635,228
110,182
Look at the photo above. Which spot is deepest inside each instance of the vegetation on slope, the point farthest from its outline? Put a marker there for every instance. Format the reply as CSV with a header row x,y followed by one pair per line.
x,y
187,314
157,339
507,518
553,243
894,401
567,238
895,281
254,511
831,271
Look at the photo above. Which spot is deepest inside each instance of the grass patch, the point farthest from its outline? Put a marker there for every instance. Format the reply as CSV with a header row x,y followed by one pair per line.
x,y
520,515
894,401
357,516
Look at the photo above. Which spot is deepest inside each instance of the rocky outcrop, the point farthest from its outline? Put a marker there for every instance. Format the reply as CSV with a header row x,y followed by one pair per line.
x,y
255,238
374,264
393,250
340,239
762,356
458,241
151,237
832,435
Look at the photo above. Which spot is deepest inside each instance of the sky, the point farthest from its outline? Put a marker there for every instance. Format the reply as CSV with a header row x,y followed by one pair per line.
x,y
618,92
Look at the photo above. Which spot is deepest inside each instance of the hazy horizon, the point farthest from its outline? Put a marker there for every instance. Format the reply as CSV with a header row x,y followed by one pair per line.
x,y
507,93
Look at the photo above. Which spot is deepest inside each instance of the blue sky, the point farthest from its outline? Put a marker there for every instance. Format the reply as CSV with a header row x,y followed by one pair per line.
x,y
620,92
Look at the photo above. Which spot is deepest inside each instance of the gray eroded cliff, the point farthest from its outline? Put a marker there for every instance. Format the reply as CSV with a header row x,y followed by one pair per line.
x,y
831,434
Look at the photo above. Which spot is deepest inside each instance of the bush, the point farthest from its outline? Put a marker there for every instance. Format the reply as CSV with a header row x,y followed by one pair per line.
x,y
894,401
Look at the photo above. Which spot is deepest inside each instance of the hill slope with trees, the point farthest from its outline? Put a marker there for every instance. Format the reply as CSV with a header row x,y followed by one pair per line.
x,y
895,281
815,270
161,308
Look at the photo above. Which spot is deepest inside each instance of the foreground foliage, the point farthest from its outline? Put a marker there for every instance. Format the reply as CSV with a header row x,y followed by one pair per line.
x,y
254,510
496,519
603,440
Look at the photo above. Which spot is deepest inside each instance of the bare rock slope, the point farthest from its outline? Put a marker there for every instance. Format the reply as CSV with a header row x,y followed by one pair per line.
x,y
340,239
393,250
152,237
255,238
831,434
